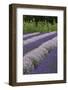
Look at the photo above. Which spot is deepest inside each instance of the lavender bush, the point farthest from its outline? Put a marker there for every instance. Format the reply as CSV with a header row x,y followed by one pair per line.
x,y
33,58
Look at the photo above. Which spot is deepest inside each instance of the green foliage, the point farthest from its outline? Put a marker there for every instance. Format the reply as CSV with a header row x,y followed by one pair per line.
x,y
30,27
35,63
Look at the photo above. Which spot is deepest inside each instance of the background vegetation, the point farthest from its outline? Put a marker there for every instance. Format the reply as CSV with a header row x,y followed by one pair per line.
x,y
39,24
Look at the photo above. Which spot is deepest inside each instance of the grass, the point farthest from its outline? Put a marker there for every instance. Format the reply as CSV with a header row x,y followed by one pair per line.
x,y
30,27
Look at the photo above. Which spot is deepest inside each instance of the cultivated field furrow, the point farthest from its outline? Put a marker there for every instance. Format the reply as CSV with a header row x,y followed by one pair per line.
x,y
34,57
37,43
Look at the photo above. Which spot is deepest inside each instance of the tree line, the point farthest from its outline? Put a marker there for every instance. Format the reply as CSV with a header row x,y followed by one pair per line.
x,y
36,19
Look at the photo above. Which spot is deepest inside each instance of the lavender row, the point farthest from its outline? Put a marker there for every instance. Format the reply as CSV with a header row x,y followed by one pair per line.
x,y
34,57
33,39
48,64
30,34
25,38
27,48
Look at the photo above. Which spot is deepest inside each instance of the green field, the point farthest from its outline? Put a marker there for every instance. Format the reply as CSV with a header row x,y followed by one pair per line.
x,y
44,25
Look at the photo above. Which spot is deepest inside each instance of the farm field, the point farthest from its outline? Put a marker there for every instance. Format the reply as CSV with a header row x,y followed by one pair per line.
x,y
40,53
39,45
